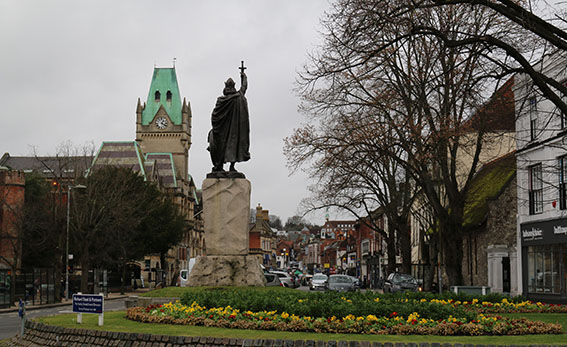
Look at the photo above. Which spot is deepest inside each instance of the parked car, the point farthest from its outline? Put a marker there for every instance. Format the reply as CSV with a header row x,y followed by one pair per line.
x,y
397,282
184,274
341,283
355,281
285,278
272,280
318,281
306,280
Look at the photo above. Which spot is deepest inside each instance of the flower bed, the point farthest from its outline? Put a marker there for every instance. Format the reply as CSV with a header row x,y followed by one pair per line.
x,y
328,304
504,306
413,324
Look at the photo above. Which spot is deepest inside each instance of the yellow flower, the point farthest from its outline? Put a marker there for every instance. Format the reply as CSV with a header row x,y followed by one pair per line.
x,y
377,299
371,318
349,317
285,315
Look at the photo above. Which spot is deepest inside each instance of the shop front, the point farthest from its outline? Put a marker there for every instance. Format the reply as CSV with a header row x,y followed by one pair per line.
x,y
544,260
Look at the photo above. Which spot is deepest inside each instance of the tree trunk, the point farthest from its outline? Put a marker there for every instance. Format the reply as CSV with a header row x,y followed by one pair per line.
x,y
453,257
432,259
163,261
405,245
13,286
60,269
391,251
124,279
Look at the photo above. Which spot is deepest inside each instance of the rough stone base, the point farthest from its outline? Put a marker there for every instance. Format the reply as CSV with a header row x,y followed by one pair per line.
x,y
227,270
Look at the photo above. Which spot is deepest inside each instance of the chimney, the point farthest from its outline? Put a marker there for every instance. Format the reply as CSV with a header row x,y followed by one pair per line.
x,y
266,215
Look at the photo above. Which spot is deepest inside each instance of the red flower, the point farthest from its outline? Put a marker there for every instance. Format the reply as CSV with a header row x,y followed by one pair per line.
x,y
211,316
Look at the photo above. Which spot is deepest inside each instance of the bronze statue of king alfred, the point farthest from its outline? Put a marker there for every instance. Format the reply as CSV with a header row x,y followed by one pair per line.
x,y
229,139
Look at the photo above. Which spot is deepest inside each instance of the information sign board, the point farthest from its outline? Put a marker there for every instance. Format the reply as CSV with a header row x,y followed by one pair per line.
x,y
88,303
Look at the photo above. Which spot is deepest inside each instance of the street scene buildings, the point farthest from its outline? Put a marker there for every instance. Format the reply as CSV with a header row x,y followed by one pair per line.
x,y
456,177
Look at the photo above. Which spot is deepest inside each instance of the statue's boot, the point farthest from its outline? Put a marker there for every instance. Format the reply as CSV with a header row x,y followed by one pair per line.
x,y
218,168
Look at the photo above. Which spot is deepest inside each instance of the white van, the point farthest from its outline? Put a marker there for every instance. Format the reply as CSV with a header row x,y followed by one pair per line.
x,y
184,274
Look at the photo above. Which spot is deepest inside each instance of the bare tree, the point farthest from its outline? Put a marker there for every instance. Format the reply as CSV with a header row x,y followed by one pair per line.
x,y
354,175
412,95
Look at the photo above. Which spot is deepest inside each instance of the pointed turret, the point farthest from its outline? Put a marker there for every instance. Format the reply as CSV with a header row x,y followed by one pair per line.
x,y
139,106
184,109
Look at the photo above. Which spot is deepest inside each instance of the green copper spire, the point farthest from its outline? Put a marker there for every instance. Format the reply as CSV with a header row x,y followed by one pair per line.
x,y
164,91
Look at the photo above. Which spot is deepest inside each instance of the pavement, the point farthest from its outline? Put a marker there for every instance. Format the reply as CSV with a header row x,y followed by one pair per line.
x,y
64,302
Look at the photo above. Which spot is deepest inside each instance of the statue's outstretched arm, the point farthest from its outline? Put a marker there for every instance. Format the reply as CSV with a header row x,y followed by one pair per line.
x,y
244,83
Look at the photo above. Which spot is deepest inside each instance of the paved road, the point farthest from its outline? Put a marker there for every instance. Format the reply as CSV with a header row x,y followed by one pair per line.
x,y
10,323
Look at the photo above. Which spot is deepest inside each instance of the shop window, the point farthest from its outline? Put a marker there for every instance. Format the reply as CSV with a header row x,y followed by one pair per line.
x,y
535,189
543,269
563,182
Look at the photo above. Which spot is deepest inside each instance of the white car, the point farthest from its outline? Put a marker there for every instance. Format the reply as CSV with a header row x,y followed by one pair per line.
x,y
184,274
285,278
319,281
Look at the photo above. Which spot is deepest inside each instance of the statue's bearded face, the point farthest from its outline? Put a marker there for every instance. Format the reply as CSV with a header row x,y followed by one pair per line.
x,y
229,83
229,87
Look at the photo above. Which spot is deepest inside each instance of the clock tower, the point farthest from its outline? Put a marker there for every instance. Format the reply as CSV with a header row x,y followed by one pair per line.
x,y
163,122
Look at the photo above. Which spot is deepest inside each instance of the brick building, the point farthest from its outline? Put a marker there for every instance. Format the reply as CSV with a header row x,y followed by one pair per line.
x,y
12,192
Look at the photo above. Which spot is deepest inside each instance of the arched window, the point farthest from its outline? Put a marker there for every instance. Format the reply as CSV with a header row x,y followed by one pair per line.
x,y
168,96
157,96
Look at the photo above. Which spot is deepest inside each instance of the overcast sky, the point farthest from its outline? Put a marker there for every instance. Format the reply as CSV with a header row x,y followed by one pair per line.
x,y
73,70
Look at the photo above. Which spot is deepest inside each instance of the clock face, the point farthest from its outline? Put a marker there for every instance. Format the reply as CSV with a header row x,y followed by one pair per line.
x,y
161,123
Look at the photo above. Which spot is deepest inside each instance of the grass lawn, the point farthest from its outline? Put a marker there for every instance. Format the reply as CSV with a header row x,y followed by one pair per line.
x,y
116,321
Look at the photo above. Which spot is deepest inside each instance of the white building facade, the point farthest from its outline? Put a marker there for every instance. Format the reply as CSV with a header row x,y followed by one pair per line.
x,y
541,131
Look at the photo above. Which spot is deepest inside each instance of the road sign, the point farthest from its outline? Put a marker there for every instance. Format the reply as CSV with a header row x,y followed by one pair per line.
x,y
22,314
22,308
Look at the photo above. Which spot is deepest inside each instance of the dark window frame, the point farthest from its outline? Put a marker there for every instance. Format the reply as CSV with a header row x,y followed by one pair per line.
x,y
535,189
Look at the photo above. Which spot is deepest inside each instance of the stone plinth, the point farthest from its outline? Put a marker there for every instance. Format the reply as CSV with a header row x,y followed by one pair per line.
x,y
226,209
229,270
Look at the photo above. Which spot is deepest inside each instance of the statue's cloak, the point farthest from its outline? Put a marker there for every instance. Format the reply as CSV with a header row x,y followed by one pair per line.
x,y
229,139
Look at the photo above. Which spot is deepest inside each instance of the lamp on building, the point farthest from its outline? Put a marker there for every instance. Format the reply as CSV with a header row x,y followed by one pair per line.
x,y
78,186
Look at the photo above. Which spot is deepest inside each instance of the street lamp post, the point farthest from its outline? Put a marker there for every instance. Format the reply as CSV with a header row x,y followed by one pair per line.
x,y
78,186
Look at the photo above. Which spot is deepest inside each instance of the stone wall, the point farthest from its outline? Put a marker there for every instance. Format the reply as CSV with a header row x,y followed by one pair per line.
x,y
38,334
499,229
